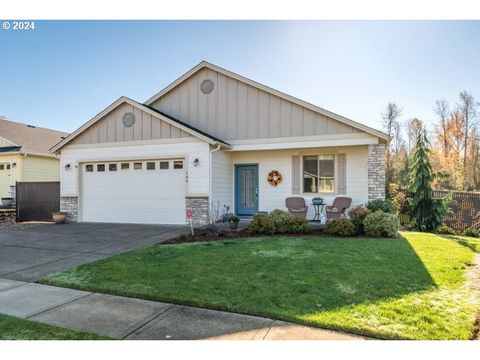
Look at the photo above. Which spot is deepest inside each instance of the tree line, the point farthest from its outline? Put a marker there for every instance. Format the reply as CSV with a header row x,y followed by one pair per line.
x,y
454,144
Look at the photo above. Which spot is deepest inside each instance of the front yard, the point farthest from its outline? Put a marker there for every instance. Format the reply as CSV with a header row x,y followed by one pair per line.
x,y
413,287
13,328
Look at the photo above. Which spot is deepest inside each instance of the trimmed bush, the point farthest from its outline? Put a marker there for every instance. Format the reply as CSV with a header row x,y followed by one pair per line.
x,y
381,224
262,224
277,222
387,206
340,227
445,229
471,233
281,219
298,226
357,216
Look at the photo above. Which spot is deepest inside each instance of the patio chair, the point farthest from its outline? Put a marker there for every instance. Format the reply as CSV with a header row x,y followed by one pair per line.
x,y
337,209
297,206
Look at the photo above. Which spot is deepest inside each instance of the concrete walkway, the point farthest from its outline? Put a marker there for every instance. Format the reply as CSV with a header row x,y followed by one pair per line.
x,y
127,318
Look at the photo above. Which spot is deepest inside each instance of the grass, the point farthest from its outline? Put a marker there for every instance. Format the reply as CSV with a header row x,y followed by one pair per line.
x,y
13,328
412,287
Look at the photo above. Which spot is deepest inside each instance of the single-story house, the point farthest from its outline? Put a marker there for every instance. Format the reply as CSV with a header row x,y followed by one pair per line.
x,y
213,139
25,155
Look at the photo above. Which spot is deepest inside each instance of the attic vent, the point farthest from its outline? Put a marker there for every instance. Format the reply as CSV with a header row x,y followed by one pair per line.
x,y
206,86
128,119
31,126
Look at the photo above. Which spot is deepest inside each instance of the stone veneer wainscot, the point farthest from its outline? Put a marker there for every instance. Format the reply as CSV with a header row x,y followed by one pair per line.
x,y
69,204
376,172
199,206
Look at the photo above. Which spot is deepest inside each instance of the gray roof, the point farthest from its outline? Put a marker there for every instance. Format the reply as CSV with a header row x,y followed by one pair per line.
x,y
31,139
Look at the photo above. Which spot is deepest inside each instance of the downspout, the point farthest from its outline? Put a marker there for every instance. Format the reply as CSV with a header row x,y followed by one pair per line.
x,y
210,188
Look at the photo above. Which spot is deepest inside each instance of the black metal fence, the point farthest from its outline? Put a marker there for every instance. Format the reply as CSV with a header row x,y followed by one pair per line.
x,y
36,201
466,210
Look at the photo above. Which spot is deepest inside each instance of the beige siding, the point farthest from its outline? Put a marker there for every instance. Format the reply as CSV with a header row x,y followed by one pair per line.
x,y
146,127
222,180
35,168
237,111
5,142
9,177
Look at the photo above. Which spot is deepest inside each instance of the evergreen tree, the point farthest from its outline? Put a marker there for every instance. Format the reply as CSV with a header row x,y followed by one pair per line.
x,y
423,207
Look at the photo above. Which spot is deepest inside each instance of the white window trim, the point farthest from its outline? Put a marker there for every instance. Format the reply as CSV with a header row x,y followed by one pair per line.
x,y
335,177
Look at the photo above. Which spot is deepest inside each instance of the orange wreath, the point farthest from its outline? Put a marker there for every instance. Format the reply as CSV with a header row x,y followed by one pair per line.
x,y
274,178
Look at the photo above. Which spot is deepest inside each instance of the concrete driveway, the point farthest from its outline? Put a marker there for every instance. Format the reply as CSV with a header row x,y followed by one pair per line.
x,y
28,252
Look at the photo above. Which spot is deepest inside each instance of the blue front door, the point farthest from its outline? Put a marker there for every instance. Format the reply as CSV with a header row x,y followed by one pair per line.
x,y
246,190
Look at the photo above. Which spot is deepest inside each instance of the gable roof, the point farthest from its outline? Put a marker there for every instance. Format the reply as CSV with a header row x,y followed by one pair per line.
x,y
154,112
28,138
205,64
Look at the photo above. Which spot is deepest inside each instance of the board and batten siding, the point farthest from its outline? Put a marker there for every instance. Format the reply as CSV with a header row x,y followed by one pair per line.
x,y
111,129
198,176
237,111
271,197
222,180
36,168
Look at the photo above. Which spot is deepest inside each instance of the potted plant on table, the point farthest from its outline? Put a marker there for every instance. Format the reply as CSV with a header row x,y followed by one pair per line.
x,y
317,200
233,222
59,217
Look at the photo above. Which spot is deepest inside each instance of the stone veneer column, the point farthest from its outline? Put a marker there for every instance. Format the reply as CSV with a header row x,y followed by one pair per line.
x,y
376,172
200,207
69,204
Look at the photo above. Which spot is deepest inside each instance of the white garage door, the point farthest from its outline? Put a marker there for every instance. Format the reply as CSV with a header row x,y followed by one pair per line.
x,y
141,192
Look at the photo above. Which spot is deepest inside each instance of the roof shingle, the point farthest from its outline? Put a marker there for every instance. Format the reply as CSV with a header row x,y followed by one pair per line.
x,y
32,139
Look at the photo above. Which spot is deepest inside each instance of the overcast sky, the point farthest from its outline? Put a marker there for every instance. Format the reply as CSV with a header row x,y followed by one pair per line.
x,y
64,72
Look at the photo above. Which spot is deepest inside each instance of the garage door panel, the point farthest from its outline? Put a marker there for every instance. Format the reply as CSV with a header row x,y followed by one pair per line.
x,y
133,196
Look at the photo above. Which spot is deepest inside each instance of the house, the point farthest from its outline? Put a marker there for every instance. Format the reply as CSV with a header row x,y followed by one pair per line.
x,y
25,155
212,139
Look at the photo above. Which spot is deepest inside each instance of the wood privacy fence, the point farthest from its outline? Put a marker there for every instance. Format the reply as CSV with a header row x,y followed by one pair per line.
x,y
36,201
466,210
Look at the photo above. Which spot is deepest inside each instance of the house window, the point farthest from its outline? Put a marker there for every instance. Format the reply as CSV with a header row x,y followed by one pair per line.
x,y
163,165
319,173
125,166
100,167
178,164
137,166
112,167
8,166
89,168
2,167
151,165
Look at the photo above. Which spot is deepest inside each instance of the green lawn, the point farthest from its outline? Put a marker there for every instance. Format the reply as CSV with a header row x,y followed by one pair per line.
x,y
13,328
412,287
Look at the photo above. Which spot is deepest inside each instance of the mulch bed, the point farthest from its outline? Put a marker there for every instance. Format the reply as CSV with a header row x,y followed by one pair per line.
x,y
199,237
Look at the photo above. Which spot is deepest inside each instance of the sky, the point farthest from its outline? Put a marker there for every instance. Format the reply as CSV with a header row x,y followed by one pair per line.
x,y
63,73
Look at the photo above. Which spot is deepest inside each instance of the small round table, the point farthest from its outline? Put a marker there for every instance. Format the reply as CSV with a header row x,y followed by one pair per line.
x,y
318,211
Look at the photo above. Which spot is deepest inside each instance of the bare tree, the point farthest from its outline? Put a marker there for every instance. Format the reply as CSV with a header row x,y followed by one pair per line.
x,y
392,128
441,108
468,108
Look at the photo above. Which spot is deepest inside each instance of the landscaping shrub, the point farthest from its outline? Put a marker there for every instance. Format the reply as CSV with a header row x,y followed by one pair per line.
x,y
278,221
381,224
387,206
183,237
471,232
445,229
357,216
262,224
340,227
297,226
281,220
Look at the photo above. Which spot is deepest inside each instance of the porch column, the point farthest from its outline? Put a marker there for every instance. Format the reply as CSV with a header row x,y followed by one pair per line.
x,y
376,172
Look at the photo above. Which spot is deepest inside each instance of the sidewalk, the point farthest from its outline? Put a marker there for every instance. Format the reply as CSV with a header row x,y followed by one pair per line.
x,y
127,318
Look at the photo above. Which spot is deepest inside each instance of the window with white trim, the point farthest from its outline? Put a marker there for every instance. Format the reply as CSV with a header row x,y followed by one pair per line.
x,y
319,173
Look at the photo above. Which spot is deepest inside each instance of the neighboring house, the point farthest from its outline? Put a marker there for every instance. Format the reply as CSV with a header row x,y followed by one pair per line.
x,y
25,155
211,138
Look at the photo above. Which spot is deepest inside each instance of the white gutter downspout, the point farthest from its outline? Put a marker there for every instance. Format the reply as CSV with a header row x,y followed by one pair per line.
x,y
210,189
